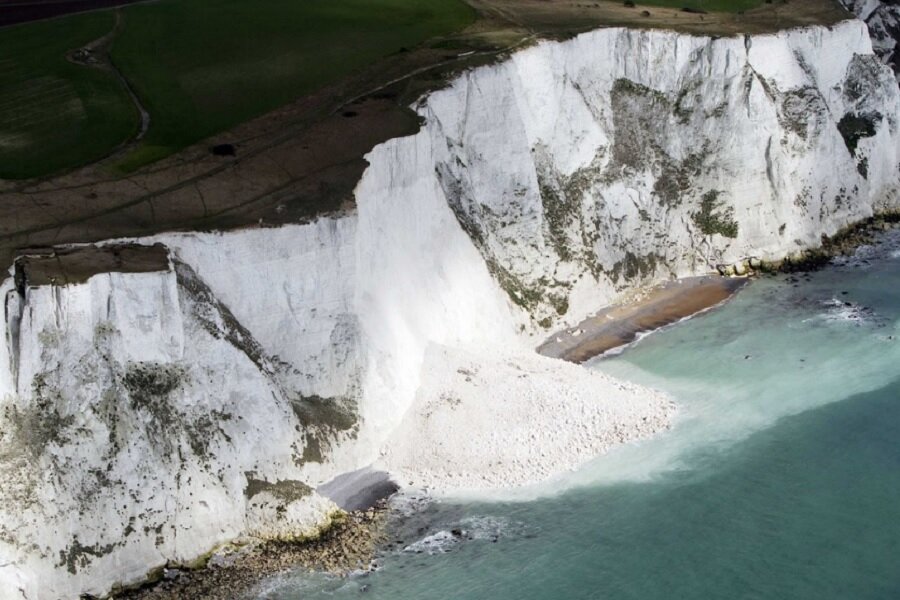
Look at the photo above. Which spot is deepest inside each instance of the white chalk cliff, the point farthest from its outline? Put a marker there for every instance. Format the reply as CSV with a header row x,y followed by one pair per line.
x,y
149,417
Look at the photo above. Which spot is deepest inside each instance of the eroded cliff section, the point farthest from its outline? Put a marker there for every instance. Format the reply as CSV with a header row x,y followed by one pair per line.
x,y
883,21
150,415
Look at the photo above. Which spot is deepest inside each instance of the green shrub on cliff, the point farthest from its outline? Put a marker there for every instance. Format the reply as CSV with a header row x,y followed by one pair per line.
x,y
714,217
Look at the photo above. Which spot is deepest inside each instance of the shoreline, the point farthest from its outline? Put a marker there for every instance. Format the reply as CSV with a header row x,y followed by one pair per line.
x,y
645,311
354,543
349,544
491,419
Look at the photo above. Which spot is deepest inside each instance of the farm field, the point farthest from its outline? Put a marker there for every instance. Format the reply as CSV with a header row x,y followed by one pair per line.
x,y
198,67
203,67
53,113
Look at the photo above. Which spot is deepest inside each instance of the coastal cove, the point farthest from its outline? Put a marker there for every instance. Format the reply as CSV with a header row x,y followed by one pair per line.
x,y
781,465
705,436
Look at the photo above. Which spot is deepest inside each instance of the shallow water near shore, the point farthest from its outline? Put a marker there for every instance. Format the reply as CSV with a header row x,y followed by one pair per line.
x,y
780,478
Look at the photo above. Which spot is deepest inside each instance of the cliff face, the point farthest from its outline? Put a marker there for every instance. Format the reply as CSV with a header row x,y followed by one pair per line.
x,y
148,417
583,168
141,425
883,21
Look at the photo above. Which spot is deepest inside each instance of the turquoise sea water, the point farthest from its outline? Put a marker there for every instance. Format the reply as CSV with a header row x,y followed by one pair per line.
x,y
780,478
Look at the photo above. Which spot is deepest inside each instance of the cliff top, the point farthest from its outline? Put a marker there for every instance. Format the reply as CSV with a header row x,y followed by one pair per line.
x,y
304,159
562,17
46,266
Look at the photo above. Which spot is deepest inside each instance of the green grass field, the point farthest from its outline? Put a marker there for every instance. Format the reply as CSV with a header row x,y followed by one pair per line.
x,y
55,114
201,67
707,5
198,66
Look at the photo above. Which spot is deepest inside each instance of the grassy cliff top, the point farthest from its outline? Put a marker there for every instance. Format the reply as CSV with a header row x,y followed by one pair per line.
x,y
181,115
197,68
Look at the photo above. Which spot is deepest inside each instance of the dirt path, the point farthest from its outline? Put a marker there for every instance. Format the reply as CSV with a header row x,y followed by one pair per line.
x,y
96,55
145,116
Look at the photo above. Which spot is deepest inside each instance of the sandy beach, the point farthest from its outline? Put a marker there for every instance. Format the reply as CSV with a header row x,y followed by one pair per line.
x,y
647,310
